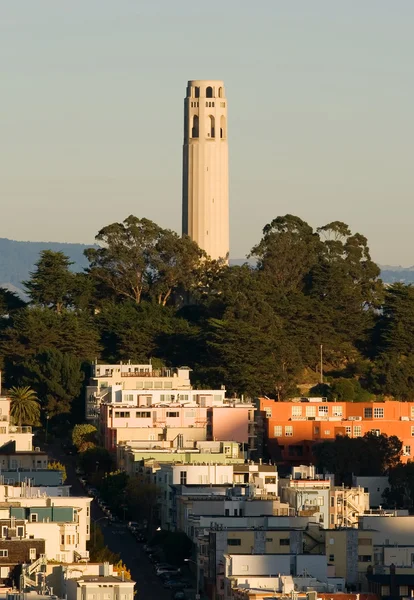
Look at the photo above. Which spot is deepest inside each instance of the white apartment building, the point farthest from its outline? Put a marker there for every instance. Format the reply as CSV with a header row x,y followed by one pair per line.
x,y
100,587
130,377
63,522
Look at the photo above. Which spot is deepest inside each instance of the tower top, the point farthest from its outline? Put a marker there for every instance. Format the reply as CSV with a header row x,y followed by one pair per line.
x,y
205,88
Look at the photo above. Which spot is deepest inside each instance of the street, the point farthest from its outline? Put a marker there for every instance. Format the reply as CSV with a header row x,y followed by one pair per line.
x,y
118,538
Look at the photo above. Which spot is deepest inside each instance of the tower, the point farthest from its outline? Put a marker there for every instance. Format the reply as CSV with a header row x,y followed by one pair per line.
x,y
206,167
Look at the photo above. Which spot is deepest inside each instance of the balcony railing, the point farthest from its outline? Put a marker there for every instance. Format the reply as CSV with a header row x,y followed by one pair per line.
x,y
18,429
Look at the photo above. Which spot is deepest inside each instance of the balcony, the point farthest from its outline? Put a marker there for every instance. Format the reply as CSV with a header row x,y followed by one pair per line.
x,y
18,429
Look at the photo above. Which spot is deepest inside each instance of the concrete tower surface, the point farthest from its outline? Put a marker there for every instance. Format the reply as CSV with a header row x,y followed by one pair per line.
x,y
206,167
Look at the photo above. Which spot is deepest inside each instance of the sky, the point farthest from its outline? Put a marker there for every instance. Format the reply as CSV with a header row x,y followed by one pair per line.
x,y
320,105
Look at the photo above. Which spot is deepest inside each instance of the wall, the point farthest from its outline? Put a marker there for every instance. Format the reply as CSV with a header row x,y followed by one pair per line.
x,y
375,486
230,423
390,530
256,565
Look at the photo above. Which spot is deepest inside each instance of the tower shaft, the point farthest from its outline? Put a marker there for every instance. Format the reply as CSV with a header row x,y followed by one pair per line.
x,y
205,167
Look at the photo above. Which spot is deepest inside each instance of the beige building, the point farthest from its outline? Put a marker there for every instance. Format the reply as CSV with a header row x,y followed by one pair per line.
x,y
206,167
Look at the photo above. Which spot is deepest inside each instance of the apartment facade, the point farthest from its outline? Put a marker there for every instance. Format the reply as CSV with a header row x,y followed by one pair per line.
x,y
129,376
289,429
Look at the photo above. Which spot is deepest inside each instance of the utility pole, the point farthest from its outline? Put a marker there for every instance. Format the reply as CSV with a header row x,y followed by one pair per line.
x,y
321,363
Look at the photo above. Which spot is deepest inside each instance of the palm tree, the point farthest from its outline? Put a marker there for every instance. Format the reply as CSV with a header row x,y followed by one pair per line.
x,y
24,406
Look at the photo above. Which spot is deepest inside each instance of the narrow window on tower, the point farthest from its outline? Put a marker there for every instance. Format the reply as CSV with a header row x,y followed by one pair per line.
x,y
197,92
220,92
194,130
209,92
223,132
211,131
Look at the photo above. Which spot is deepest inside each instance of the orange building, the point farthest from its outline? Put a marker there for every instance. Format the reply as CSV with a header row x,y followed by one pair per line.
x,y
291,428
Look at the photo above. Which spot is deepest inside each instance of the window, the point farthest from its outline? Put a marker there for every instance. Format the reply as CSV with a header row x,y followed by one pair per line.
x,y
173,414
20,531
4,531
32,553
357,430
269,539
327,432
323,410
296,411
62,540
364,558
167,385
331,558
311,411
195,127
412,430
277,431
139,385
209,92
368,413
270,480
211,126
122,414
365,542
348,430
412,412
227,450
376,432
378,413
403,590
289,431
4,553
337,411
143,414
33,518
183,477
268,412
220,92
316,430
129,397
385,590
407,450
284,542
234,542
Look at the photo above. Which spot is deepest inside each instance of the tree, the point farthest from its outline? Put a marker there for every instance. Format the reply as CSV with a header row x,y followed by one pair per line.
x,y
121,264
24,406
177,263
400,493
287,251
84,436
57,378
141,500
250,351
393,369
95,460
9,302
58,466
51,283
370,455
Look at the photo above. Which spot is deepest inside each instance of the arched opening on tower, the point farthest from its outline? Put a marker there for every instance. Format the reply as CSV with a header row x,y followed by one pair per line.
x,y
211,126
209,92
220,92
223,131
195,128
197,92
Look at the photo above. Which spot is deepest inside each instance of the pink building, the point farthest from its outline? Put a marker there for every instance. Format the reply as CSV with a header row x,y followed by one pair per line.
x,y
202,415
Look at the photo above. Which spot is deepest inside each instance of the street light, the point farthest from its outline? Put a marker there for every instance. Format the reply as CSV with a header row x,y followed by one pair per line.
x,y
47,426
94,521
189,560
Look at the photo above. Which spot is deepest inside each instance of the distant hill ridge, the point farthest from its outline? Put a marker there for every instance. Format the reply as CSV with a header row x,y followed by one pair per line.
x,y
17,259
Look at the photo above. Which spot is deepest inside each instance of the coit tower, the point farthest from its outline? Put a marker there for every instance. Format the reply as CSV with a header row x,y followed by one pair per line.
x,y
206,167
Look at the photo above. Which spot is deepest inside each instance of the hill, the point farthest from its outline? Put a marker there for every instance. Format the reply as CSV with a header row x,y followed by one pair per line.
x,y
17,259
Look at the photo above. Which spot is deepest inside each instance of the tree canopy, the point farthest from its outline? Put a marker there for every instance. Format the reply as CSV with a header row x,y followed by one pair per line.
x,y
256,328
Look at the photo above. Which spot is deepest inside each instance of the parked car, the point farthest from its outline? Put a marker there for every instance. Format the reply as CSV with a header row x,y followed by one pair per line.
x,y
167,570
174,584
133,526
179,596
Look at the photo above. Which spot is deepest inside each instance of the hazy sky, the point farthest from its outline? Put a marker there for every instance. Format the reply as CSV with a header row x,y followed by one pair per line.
x,y
320,96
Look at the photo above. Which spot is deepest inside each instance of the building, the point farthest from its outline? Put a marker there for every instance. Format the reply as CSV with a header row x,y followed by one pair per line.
x,y
332,506
100,587
289,429
375,486
9,432
180,417
133,458
11,458
130,377
205,167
